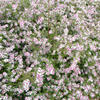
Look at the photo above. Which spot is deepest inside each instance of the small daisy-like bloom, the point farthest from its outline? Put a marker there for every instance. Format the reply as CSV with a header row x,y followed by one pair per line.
x,y
19,90
57,38
5,97
39,77
28,98
98,65
61,46
36,62
93,47
26,84
67,70
48,78
21,23
4,74
84,98
28,69
91,10
92,95
77,70
12,56
14,6
66,31
27,54
50,69
50,32
29,33
36,41
76,16
40,20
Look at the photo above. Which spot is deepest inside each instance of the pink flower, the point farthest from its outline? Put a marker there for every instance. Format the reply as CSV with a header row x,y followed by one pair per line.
x,y
21,23
77,71
39,77
50,32
91,10
69,87
23,40
4,74
29,33
28,98
20,90
76,16
12,56
40,84
27,54
98,65
84,98
26,84
50,69
79,47
40,20
28,69
14,6
91,0
67,70
48,78
36,41
69,51
93,47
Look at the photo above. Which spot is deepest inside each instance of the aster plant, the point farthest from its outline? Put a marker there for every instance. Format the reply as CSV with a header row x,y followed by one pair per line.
x,y
50,50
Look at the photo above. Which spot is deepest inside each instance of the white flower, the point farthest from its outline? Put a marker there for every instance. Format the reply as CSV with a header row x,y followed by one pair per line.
x,y
13,80
92,95
57,38
4,74
50,32
10,98
5,97
66,31
19,90
50,69
10,48
93,47
26,84
28,69
14,6
61,46
6,60
28,98
40,20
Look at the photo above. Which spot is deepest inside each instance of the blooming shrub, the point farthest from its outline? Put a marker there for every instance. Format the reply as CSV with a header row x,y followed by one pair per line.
x,y
50,50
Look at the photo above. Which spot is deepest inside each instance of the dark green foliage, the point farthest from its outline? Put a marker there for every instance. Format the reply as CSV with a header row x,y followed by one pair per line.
x,y
72,31
58,18
34,18
84,70
69,74
25,3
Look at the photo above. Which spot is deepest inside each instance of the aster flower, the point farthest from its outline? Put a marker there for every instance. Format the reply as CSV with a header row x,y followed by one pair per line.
x,y
50,69
28,98
26,84
21,23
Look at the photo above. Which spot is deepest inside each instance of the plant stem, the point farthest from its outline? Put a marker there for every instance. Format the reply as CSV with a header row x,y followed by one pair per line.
x,y
48,17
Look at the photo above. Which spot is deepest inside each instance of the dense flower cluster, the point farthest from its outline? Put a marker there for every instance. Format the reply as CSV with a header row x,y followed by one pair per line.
x,y
50,50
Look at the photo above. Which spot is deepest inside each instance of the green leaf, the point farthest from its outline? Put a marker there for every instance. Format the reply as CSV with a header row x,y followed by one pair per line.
x,y
25,3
